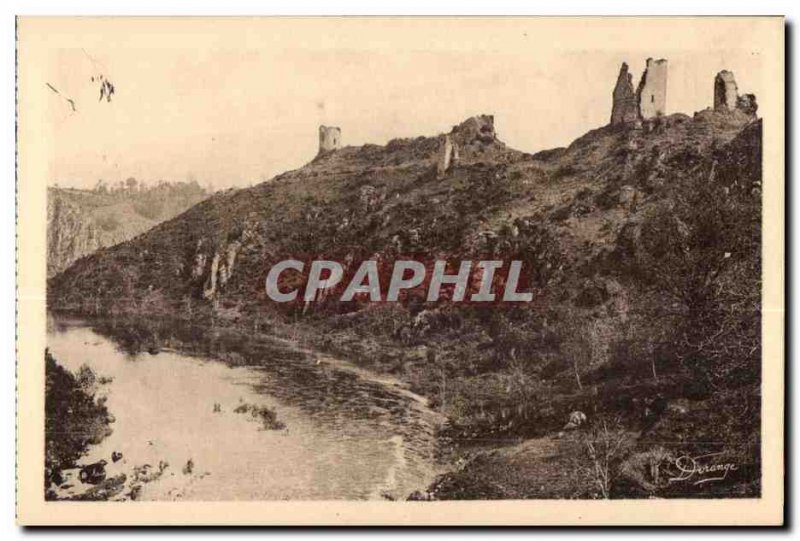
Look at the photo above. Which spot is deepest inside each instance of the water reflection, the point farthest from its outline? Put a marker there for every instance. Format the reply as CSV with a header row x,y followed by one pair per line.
x,y
345,437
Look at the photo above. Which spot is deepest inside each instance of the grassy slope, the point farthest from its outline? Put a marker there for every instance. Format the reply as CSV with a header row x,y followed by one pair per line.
x,y
618,298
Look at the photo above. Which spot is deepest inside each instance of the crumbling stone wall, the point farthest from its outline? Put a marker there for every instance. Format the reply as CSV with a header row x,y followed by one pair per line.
x,y
727,99
651,95
448,153
726,92
330,138
477,128
624,108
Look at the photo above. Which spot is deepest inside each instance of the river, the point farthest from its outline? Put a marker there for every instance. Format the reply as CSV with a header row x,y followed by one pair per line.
x,y
346,436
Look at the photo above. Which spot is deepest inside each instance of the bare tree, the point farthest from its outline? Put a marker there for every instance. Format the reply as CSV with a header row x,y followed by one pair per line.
x,y
604,445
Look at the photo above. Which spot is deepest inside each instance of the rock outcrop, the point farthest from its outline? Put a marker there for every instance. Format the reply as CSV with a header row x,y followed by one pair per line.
x,y
479,128
222,262
71,233
80,222
746,103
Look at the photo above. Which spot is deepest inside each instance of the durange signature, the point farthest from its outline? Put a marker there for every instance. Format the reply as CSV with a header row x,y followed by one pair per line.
x,y
691,468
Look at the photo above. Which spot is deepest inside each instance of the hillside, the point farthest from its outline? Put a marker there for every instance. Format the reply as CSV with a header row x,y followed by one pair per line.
x,y
644,245
80,222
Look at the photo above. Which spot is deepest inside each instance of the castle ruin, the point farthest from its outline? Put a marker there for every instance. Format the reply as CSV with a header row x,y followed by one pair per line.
x,y
650,98
330,138
727,98
725,92
625,108
652,91
476,130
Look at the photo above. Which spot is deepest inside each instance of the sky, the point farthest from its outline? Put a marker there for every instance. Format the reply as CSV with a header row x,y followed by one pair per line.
x,y
235,102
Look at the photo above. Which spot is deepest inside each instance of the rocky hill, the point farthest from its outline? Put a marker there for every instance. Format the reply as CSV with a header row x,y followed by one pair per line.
x,y
80,222
643,240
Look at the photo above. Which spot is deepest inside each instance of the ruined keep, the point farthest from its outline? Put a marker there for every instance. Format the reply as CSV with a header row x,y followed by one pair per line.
x,y
651,94
624,107
727,98
649,100
330,138
725,92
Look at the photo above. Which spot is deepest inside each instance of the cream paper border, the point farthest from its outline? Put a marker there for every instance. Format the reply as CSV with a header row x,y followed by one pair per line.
x,y
38,38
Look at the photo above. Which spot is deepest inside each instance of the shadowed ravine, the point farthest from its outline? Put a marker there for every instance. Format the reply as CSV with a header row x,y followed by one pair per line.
x,y
346,436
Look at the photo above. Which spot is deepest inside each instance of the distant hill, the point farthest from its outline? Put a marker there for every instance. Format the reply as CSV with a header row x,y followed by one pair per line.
x,y
643,240
80,222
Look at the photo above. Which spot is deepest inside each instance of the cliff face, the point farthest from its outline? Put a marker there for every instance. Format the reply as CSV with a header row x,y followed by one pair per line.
x,y
70,233
80,222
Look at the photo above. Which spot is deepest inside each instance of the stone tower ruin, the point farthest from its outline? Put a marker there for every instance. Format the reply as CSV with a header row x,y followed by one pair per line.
x,y
727,98
726,92
330,138
624,108
648,101
652,91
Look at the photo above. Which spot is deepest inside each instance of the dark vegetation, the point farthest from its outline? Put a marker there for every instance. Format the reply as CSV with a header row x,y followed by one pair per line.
x,y
263,414
74,418
644,247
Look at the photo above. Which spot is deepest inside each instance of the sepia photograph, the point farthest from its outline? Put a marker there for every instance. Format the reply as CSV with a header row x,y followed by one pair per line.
x,y
458,270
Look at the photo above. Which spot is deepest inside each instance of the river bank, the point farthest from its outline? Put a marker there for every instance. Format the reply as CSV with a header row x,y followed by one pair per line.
x,y
318,368
346,435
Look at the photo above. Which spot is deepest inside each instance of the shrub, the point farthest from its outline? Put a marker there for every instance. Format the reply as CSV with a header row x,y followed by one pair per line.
x,y
73,418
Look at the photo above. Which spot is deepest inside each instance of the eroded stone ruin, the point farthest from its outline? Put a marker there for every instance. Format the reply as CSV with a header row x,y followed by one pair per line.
x,y
727,98
446,155
477,128
476,131
650,98
624,108
651,94
330,138
725,92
